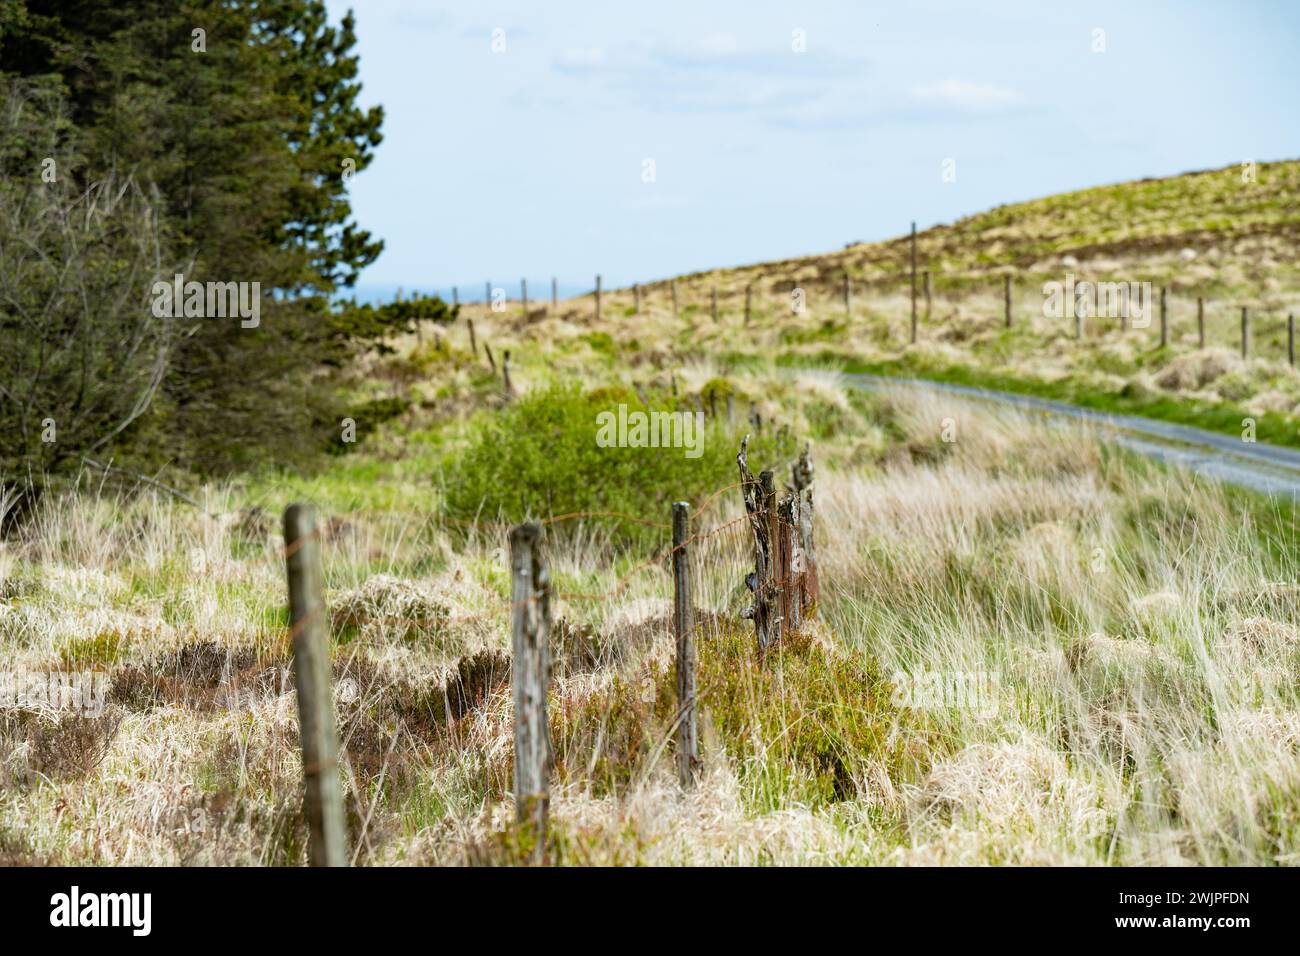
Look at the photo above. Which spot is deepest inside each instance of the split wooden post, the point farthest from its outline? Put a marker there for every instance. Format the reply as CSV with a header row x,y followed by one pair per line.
x,y
758,494
555,293
530,669
715,303
1164,316
523,296
1245,332
914,283
473,343
688,755
597,298
322,791
1006,297
801,480
1290,340
1200,321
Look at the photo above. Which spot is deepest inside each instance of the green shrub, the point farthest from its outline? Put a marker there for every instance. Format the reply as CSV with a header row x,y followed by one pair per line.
x,y
539,457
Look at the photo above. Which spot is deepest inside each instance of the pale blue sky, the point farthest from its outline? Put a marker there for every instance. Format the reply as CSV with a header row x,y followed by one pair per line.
x,y
529,162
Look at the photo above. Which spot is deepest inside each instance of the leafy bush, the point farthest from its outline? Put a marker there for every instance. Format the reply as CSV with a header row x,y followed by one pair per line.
x,y
539,456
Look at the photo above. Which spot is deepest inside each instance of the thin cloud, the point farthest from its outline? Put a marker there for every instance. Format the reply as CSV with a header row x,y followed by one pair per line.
x,y
968,97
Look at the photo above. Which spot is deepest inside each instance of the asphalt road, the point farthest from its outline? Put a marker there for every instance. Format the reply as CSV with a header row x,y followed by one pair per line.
x,y
1271,469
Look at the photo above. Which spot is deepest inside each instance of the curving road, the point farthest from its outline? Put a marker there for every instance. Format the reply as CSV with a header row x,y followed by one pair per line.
x,y
1272,469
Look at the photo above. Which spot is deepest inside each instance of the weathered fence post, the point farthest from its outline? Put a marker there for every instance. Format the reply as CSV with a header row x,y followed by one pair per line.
x,y
688,756
757,494
473,343
555,293
715,303
523,296
1200,321
749,291
914,283
455,298
929,302
597,298
487,297
530,668
492,363
801,480
1164,316
1245,332
848,296
323,791
1006,297
505,374
1290,340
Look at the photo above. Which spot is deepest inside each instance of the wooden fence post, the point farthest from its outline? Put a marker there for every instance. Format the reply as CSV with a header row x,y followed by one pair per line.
x,y
848,296
530,668
1200,321
749,290
323,791
455,298
505,374
673,286
1164,316
473,343
1006,297
760,509
1290,340
1245,332
715,303
487,297
492,362
597,298
523,296
914,283
801,480
929,302
555,293
688,755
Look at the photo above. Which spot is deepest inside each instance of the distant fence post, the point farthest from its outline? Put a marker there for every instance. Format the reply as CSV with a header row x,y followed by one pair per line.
x,y
929,302
749,293
473,343
505,374
555,293
487,297
1290,340
636,298
492,362
1245,332
597,298
913,282
1200,321
1164,316
322,792
455,297
673,287
715,303
530,625
523,296
848,296
688,756
1006,297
